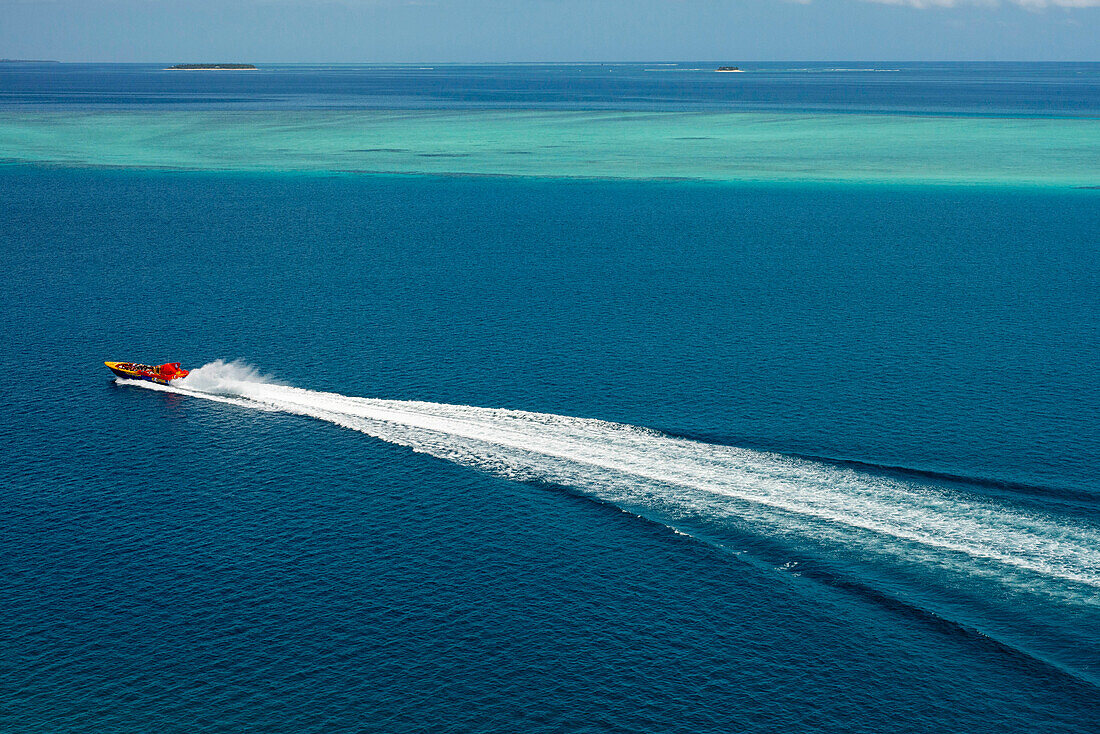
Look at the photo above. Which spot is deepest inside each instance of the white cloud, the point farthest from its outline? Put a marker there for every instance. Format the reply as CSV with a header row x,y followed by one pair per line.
x,y
1029,4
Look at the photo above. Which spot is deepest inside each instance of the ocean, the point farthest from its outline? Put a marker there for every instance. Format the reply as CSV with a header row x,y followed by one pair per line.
x,y
623,397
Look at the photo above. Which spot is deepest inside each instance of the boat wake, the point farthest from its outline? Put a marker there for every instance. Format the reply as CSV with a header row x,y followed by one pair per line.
x,y
963,555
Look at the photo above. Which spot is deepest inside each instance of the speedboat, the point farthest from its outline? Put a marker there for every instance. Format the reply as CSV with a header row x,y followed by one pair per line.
x,y
161,374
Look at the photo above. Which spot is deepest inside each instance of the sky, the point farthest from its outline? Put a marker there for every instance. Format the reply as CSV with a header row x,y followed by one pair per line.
x,y
364,31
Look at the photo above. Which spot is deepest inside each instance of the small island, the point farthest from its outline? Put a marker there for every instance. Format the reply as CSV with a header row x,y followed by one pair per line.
x,y
212,67
728,68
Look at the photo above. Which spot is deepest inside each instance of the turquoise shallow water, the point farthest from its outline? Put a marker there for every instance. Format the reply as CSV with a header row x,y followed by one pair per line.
x,y
537,453
726,146
1002,124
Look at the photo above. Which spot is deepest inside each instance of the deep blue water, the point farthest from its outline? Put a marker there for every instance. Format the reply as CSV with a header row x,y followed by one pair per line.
x,y
174,563
179,564
1059,89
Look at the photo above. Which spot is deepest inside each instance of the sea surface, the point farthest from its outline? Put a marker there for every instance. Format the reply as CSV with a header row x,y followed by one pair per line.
x,y
633,398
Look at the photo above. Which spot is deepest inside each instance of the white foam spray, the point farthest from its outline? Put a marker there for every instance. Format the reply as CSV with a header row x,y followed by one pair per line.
x,y
1027,575
221,377
673,479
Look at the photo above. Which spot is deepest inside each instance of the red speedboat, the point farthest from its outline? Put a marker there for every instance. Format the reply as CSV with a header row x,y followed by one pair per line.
x,y
162,374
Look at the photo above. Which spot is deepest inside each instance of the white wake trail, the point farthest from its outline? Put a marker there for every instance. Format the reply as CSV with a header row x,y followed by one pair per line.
x,y
676,479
